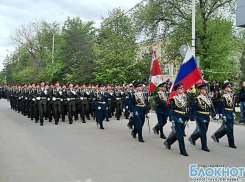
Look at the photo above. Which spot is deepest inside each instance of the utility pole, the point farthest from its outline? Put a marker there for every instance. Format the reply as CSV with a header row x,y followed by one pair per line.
x,y
193,39
53,49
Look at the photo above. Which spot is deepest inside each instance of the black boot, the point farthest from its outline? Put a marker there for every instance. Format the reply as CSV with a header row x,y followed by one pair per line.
x,y
36,120
101,127
107,119
133,134
50,119
184,153
70,121
84,120
41,122
56,122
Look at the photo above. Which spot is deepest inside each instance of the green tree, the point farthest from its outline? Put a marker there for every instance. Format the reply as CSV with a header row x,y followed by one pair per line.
x,y
116,48
76,50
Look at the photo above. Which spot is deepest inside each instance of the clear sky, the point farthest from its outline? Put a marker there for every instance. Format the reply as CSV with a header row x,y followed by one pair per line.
x,y
13,13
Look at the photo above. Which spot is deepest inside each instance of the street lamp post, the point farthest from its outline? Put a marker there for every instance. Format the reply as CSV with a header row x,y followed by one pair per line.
x,y
53,50
193,46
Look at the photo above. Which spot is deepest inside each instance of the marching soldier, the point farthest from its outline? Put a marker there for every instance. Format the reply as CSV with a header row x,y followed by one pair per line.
x,y
127,100
70,96
41,97
179,117
56,96
24,96
139,110
215,89
49,102
32,100
202,111
118,95
109,95
18,98
100,104
161,110
63,102
227,112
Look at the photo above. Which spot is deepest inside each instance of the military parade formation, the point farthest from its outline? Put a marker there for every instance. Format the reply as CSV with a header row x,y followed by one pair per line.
x,y
54,102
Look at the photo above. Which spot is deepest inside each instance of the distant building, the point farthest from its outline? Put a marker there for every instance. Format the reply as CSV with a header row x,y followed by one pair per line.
x,y
240,14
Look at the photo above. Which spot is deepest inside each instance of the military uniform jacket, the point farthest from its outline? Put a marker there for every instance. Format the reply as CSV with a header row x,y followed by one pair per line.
x,y
227,106
118,94
139,103
178,107
70,94
100,100
42,93
56,93
202,106
161,99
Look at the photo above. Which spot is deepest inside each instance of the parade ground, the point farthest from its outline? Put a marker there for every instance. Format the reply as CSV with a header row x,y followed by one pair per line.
x,y
81,152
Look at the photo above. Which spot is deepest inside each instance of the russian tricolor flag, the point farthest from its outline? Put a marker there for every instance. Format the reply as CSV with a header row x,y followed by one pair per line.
x,y
189,73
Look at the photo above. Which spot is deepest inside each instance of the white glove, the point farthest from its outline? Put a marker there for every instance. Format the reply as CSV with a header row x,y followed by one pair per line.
x,y
234,115
87,93
123,110
217,116
33,99
126,107
73,92
61,100
117,98
147,115
48,99
60,92
99,108
122,93
68,99
81,98
45,91
26,98
54,99
111,94
221,115
38,98
19,97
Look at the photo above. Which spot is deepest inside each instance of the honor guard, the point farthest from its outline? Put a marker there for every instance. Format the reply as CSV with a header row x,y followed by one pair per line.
x,y
139,110
202,111
56,95
63,102
109,95
41,97
227,112
118,95
179,117
100,103
127,100
70,96
161,109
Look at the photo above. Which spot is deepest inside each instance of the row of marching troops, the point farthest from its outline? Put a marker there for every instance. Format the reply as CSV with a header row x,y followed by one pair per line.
x,y
136,103
40,101
3,93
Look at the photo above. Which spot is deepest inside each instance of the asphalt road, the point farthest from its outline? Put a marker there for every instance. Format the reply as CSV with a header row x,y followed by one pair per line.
x,y
81,152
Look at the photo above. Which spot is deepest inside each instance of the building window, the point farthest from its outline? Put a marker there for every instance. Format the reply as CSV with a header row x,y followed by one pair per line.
x,y
167,69
162,51
174,69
